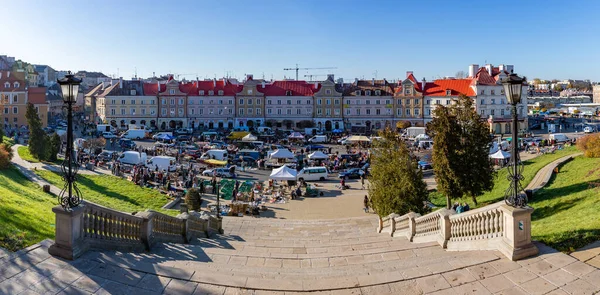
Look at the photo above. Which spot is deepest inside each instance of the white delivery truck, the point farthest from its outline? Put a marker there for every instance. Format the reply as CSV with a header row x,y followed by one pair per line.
x,y
558,137
412,132
318,139
163,163
106,128
220,155
132,158
135,134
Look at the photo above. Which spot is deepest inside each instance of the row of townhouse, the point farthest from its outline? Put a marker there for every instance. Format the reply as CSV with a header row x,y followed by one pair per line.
x,y
14,97
368,104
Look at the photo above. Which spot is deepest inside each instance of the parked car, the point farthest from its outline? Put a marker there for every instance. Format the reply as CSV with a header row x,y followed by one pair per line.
x,y
588,129
127,144
186,131
183,138
220,172
353,173
106,156
108,135
425,165
248,161
535,126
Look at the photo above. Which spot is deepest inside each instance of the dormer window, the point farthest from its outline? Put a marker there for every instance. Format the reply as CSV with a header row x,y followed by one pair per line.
x,y
221,92
201,92
368,93
288,93
172,91
6,85
407,91
328,91
16,84
377,92
448,92
132,92
249,91
357,92
211,92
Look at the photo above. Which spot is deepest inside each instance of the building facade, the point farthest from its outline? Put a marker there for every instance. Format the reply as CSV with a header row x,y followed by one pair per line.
x,y
211,103
13,99
369,104
596,93
329,105
288,103
249,104
408,101
125,103
37,97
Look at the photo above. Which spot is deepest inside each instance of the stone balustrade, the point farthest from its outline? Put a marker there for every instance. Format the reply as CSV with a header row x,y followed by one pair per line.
x,y
494,227
91,226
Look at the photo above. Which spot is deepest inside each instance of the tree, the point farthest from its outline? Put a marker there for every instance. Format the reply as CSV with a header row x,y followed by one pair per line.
x,y
558,88
460,75
403,124
193,199
460,151
396,184
94,143
590,145
536,81
1,130
6,155
37,136
53,147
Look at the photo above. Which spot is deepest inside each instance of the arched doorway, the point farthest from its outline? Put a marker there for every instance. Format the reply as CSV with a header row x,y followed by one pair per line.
x,y
498,128
122,123
288,124
172,124
192,124
230,125
153,123
507,128
337,125
113,123
320,125
368,124
132,122
328,125
163,126
240,124
143,122
258,124
250,124
377,125
179,124
220,125
211,125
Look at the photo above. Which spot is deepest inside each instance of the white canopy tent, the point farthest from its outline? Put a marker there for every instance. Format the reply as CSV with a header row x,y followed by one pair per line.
x,y
249,137
296,135
283,173
282,154
500,154
358,138
318,155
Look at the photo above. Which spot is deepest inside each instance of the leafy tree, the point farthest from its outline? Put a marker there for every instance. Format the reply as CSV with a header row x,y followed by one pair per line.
x,y
37,136
94,143
403,124
537,81
590,145
53,147
460,151
193,199
6,155
396,184
558,88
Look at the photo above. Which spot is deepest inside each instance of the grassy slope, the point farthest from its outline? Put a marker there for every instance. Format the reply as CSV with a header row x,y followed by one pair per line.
x,y
567,211
25,211
7,140
501,184
114,192
26,155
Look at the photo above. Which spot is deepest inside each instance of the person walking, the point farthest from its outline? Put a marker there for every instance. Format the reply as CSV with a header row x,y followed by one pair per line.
x,y
362,180
366,204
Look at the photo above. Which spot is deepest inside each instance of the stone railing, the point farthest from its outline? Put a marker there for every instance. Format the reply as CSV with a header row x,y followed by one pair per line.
x,y
494,227
91,226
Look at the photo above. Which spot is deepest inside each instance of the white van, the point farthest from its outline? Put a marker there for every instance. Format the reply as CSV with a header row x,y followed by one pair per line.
x,y
258,144
163,163
132,158
318,139
106,128
220,155
558,137
266,130
312,174
135,134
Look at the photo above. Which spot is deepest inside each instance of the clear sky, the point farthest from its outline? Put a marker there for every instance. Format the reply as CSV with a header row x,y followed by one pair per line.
x,y
363,39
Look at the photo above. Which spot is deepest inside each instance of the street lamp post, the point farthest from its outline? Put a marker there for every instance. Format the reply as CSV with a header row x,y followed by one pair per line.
x,y
70,196
513,85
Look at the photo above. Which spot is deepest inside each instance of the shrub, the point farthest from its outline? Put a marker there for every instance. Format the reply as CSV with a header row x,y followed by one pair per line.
x,y
193,199
589,145
5,156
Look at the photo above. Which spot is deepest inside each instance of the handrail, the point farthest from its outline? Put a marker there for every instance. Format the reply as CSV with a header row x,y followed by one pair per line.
x,y
482,223
101,223
428,224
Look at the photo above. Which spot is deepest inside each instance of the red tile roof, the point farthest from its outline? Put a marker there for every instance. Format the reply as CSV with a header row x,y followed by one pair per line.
x,y
456,87
14,77
298,88
193,88
36,95
483,77
412,78
153,88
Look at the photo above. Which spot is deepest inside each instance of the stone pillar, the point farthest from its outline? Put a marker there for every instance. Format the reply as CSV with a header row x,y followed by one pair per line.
x,y
392,226
146,228
412,225
516,241
380,226
183,207
215,224
445,226
187,236
68,243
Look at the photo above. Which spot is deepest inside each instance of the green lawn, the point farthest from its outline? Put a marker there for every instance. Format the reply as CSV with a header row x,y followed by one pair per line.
x,y
8,140
26,155
567,210
531,167
26,214
114,192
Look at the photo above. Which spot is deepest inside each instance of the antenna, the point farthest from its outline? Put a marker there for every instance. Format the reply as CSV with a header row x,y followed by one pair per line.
x,y
136,72
375,74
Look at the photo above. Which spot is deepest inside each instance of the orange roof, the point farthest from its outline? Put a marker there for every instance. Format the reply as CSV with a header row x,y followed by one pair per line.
x,y
484,78
36,95
456,87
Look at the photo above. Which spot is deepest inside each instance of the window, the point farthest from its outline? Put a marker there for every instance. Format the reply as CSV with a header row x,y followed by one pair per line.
x,y
389,111
368,92
249,111
298,112
132,92
368,111
172,91
357,92
493,92
367,102
241,101
152,112
482,101
181,101
113,112
249,92
416,101
448,102
201,92
327,112
377,92
502,112
288,93
298,102
336,112
502,101
269,111
172,101
142,101
492,112
502,91
211,101
308,101
482,112
493,101
15,110
348,112
258,101
319,101
268,101
377,112
16,84
416,112
6,85
241,112
15,98
201,111
279,101
482,92
221,92
407,112
220,101
437,101
408,91
164,112
231,111
132,111
288,111
336,102
319,112
399,112
122,101
133,101
172,111
428,112
399,102
328,101
192,112
278,111
122,111
200,102
428,102
211,92
249,101
220,112
258,112
163,101
358,111
448,92
387,101
289,101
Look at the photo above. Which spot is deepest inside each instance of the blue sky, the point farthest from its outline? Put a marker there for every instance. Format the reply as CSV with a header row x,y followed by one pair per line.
x,y
546,39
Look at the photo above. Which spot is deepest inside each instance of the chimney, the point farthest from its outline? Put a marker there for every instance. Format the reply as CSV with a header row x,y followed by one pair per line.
x,y
0,75
263,84
489,67
249,77
473,69
157,87
373,81
356,81
408,73
510,68
215,83
7,74
331,77
316,85
121,82
502,68
423,83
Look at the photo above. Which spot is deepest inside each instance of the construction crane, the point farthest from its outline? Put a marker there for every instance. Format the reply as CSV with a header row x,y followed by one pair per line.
x,y
310,77
297,68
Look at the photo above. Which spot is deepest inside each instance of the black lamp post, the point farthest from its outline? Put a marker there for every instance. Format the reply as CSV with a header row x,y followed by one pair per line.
x,y
513,86
70,196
